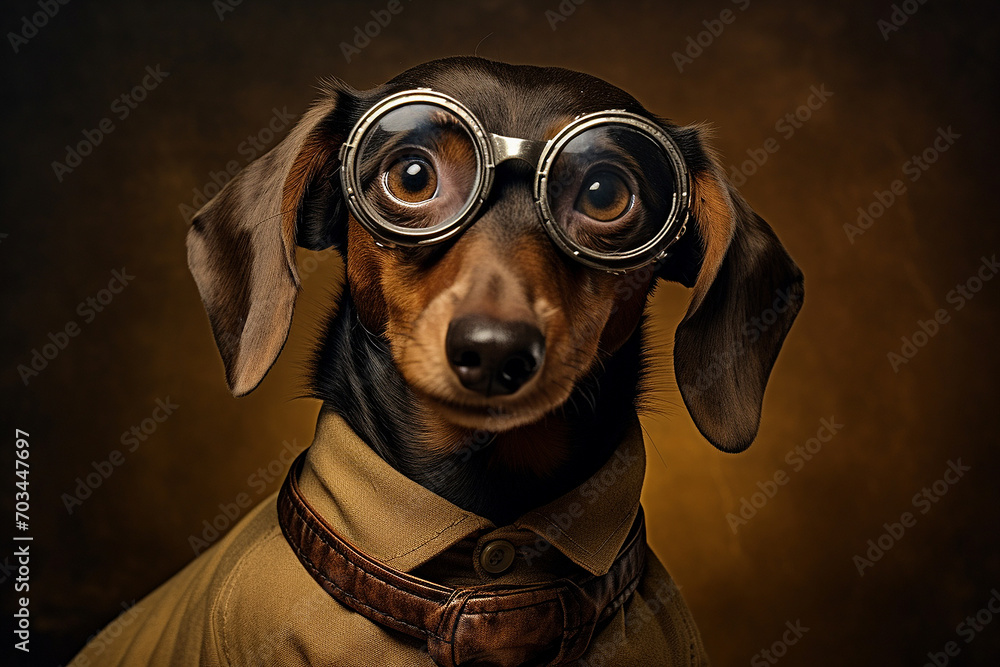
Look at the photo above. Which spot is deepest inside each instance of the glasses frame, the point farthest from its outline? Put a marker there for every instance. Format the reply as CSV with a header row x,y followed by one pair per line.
x,y
493,149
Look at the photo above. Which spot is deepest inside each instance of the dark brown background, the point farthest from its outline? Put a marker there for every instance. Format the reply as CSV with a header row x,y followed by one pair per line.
x,y
791,562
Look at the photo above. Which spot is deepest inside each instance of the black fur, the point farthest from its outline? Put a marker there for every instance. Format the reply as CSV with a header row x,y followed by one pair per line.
x,y
353,371
354,375
238,252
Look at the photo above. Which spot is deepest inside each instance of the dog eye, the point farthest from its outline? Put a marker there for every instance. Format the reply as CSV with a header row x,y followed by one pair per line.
x,y
604,196
411,180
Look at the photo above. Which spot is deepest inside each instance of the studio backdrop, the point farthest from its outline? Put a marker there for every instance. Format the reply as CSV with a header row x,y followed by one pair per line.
x,y
862,525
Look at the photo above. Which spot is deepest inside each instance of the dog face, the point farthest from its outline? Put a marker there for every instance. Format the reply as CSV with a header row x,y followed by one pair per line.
x,y
493,328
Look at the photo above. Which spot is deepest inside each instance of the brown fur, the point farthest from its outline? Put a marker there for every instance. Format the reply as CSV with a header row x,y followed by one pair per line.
x,y
477,276
503,266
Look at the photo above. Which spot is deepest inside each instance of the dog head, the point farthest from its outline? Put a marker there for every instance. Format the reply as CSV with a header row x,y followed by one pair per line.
x,y
495,327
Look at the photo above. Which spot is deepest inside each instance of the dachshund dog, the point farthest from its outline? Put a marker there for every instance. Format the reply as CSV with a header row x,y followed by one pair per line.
x,y
472,494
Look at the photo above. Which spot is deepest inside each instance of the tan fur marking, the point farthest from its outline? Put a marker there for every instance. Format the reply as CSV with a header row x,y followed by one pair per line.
x,y
713,209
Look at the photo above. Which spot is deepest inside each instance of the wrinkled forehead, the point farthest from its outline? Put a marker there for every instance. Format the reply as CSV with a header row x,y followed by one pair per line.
x,y
521,101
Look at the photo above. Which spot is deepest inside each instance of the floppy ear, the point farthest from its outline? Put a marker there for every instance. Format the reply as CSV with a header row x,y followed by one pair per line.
x,y
241,245
747,292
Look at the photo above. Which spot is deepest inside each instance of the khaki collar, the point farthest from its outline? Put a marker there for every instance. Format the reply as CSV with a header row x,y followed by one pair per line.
x,y
395,520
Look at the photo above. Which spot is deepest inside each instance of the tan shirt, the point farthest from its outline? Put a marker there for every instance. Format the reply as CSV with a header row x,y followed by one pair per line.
x,y
248,601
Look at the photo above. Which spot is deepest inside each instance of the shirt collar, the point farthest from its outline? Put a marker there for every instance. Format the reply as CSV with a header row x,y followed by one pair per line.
x,y
392,518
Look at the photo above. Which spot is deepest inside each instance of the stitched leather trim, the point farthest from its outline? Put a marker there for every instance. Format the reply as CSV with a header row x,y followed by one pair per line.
x,y
540,624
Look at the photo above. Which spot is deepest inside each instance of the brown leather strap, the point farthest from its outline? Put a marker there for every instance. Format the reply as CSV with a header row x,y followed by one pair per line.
x,y
543,624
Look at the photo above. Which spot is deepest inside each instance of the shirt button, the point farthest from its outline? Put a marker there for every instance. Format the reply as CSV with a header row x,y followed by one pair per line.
x,y
497,556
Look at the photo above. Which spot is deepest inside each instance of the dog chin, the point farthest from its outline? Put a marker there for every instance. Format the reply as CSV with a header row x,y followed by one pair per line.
x,y
493,418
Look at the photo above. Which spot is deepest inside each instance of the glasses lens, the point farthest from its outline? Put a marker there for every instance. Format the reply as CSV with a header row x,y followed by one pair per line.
x,y
612,189
419,168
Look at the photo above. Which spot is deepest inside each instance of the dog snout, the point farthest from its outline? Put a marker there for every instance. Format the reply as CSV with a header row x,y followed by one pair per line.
x,y
491,356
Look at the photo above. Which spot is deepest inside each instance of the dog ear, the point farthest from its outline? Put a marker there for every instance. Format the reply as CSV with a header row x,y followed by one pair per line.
x,y
747,292
241,245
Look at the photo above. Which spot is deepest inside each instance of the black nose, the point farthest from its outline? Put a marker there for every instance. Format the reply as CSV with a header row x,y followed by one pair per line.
x,y
493,357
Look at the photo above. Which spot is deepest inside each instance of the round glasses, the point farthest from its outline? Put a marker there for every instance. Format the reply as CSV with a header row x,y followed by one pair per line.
x,y
611,187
